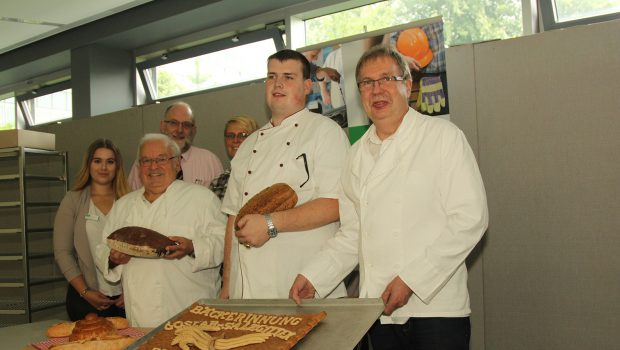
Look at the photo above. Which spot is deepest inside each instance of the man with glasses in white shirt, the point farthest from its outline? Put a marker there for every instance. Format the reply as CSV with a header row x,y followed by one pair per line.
x,y
198,165
189,214
412,208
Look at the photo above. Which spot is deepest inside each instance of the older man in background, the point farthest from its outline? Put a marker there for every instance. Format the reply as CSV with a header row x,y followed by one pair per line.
x,y
198,165
157,289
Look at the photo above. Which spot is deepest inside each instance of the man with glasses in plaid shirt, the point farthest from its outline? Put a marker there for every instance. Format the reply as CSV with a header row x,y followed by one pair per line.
x,y
198,165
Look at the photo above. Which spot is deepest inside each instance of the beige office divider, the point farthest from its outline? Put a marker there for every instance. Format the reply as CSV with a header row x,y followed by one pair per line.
x,y
543,113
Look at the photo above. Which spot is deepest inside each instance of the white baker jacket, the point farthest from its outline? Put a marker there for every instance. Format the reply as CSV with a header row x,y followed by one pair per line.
x,y
157,289
306,151
416,212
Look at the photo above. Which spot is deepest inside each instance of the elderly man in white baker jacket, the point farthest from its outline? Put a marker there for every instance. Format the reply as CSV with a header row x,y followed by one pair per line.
x,y
412,207
157,289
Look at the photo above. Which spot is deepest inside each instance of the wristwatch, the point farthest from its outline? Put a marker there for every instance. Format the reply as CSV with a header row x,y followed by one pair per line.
x,y
272,231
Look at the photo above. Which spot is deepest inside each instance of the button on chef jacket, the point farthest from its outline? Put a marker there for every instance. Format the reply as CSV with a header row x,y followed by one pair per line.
x,y
280,154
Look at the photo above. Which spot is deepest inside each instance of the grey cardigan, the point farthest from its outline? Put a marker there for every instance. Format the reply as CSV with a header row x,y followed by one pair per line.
x,y
71,248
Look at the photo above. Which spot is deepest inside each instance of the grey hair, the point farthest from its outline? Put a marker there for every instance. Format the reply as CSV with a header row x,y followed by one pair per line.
x,y
378,51
167,141
180,104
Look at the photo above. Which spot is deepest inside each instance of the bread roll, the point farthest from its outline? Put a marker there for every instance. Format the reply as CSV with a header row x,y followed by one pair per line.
x,y
118,322
59,330
92,327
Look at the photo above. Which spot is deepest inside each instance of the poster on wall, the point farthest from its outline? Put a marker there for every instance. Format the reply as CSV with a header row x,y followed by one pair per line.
x,y
335,94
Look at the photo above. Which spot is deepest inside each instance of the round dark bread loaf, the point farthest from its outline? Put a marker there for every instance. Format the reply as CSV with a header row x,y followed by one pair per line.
x,y
139,241
277,197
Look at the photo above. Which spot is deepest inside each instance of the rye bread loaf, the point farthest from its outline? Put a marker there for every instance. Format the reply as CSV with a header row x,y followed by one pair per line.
x,y
139,241
277,197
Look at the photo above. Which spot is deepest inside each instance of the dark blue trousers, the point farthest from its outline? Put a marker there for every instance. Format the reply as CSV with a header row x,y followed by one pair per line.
x,y
422,333
77,307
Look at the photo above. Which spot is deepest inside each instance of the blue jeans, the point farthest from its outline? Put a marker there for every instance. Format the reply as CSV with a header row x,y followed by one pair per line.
x,y
422,333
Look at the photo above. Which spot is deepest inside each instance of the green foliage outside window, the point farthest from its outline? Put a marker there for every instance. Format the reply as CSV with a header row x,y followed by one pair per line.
x,y
465,21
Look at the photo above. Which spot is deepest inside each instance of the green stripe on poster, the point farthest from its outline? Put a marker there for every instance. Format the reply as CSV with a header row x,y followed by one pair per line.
x,y
355,132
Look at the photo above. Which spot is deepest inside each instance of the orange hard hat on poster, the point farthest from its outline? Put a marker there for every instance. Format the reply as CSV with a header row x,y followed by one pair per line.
x,y
413,42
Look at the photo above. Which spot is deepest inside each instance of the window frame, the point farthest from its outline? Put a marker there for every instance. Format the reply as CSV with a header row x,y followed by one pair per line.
x,y
549,20
11,96
199,50
25,101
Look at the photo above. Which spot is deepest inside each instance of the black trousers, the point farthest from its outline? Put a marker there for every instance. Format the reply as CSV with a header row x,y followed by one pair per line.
x,y
78,307
422,333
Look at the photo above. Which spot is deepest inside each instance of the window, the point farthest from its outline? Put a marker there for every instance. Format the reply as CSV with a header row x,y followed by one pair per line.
x,y
7,113
234,60
47,104
464,21
566,13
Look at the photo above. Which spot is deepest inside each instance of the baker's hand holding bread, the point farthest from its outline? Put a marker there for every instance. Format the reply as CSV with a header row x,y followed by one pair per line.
x,y
183,247
252,231
118,258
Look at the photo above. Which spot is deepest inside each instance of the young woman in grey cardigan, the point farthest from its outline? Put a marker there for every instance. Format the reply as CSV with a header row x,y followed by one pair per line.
x,y
77,230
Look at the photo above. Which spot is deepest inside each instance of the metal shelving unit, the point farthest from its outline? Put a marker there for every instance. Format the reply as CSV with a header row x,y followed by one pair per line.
x,y
32,184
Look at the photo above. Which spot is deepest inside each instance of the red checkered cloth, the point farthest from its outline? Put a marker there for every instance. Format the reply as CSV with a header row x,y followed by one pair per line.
x,y
46,344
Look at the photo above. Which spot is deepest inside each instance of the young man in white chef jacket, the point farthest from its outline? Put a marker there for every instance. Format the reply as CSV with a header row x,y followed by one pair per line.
x,y
412,207
302,149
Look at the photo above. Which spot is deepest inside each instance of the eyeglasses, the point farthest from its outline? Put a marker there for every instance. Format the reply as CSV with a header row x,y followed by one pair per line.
x,y
240,136
369,84
146,162
175,124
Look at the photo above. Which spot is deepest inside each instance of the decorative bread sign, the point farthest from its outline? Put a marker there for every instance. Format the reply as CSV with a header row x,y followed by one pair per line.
x,y
277,197
139,241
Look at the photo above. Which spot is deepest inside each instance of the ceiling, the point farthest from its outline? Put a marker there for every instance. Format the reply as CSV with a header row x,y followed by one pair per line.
x,y
42,33
31,20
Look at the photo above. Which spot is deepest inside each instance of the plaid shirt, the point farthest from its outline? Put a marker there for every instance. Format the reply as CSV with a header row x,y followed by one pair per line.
x,y
434,33
219,184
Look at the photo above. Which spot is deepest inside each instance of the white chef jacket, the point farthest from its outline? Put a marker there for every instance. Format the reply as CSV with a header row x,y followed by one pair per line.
x,y
157,289
270,155
416,212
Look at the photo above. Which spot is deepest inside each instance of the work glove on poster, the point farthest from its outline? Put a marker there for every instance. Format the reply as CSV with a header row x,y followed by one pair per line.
x,y
431,97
